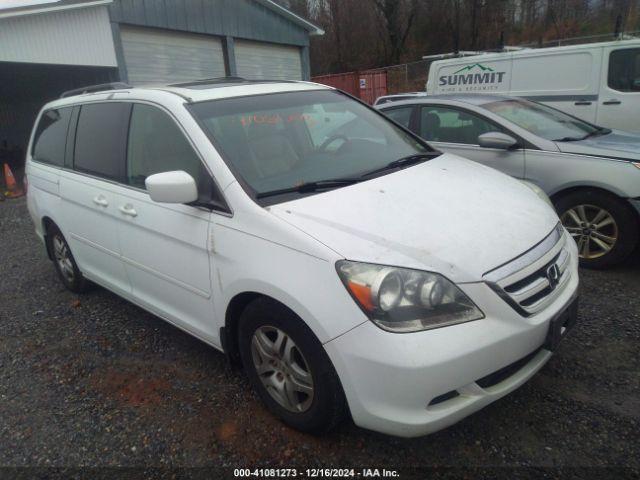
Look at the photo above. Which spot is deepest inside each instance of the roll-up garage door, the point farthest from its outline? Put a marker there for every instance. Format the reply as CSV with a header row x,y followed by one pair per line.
x,y
156,56
257,60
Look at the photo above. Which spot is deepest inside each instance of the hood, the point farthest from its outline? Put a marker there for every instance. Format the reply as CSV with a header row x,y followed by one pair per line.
x,y
448,215
617,144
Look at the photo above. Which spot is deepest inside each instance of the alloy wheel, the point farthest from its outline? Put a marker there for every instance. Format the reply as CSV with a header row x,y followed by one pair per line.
x,y
63,258
593,228
282,369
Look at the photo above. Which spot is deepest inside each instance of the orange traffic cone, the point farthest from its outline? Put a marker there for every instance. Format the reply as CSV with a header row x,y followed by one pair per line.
x,y
13,190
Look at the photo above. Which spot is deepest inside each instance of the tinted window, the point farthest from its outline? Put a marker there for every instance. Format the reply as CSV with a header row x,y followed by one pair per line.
x,y
400,115
624,70
101,139
51,136
156,144
440,124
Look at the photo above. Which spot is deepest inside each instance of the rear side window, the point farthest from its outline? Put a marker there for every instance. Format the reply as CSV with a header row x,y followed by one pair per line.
x,y
51,136
624,70
101,139
156,144
400,115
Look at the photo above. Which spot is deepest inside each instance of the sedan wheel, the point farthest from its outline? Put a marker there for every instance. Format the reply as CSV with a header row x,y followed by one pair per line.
x,y
282,369
593,228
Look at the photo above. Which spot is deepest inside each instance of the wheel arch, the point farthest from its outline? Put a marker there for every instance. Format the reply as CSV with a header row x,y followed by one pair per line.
x,y
572,188
47,223
556,196
233,313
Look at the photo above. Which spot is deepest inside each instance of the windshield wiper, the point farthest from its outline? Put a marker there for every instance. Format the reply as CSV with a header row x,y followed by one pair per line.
x,y
403,162
599,132
311,187
595,133
569,139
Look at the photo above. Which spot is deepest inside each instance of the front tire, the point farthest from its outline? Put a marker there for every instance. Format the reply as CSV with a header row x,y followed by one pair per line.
x,y
604,227
64,263
289,369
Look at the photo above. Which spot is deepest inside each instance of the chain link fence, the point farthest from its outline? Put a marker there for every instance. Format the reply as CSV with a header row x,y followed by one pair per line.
x,y
407,77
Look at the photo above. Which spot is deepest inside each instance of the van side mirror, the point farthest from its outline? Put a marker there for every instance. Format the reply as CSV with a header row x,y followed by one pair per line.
x,y
497,140
172,187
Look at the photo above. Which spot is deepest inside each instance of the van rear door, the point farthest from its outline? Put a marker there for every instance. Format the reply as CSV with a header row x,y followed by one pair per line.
x,y
89,200
620,89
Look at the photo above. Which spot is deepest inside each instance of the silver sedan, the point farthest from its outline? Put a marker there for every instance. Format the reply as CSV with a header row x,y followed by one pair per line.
x,y
591,174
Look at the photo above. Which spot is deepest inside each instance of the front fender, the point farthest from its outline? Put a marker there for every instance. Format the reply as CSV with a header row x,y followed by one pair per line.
x,y
308,285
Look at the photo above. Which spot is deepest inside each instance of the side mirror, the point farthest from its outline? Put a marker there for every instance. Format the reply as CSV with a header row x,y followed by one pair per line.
x,y
172,187
497,140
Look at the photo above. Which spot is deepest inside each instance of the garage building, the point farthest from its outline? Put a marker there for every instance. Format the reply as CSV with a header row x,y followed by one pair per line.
x,y
49,46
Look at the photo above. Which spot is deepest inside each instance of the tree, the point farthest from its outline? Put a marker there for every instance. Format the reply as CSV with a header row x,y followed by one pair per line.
x,y
397,19
362,34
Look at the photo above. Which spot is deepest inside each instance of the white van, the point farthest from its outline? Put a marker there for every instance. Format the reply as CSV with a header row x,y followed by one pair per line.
x,y
598,82
352,268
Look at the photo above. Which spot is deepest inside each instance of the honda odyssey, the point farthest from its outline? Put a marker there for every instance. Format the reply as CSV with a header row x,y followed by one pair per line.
x,y
350,270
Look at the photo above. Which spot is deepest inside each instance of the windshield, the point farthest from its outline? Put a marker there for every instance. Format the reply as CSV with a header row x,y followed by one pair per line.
x,y
284,140
546,122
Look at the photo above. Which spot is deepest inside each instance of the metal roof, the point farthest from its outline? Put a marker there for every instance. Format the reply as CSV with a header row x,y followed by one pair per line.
x,y
18,8
307,25
10,8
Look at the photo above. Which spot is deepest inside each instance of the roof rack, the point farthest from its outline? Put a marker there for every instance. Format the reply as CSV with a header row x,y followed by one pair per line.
x,y
95,88
219,82
470,53
211,81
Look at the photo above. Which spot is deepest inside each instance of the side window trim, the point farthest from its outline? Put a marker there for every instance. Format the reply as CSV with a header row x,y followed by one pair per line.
x,y
412,115
70,147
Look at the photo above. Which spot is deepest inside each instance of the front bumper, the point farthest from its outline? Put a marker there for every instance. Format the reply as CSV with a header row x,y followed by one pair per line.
x,y
391,380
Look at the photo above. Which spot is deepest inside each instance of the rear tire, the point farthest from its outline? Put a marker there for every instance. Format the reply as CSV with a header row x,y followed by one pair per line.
x,y
64,263
309,371
605,228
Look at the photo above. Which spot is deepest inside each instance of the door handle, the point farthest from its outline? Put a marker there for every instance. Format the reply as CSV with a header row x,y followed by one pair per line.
x,y
612,102
582,102
101,201
128,210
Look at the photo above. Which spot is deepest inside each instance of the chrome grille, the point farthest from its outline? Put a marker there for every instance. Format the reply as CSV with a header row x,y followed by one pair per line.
x,y
533,280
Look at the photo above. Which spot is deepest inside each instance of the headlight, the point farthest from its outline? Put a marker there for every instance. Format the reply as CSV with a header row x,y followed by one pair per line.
x,y
404,300
538,191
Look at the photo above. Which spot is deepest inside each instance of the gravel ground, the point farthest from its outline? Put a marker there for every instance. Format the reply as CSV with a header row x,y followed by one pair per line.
x,y
93,381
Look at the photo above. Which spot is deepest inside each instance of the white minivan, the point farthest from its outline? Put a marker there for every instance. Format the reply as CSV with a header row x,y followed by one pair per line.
x,y
351,270
597,82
